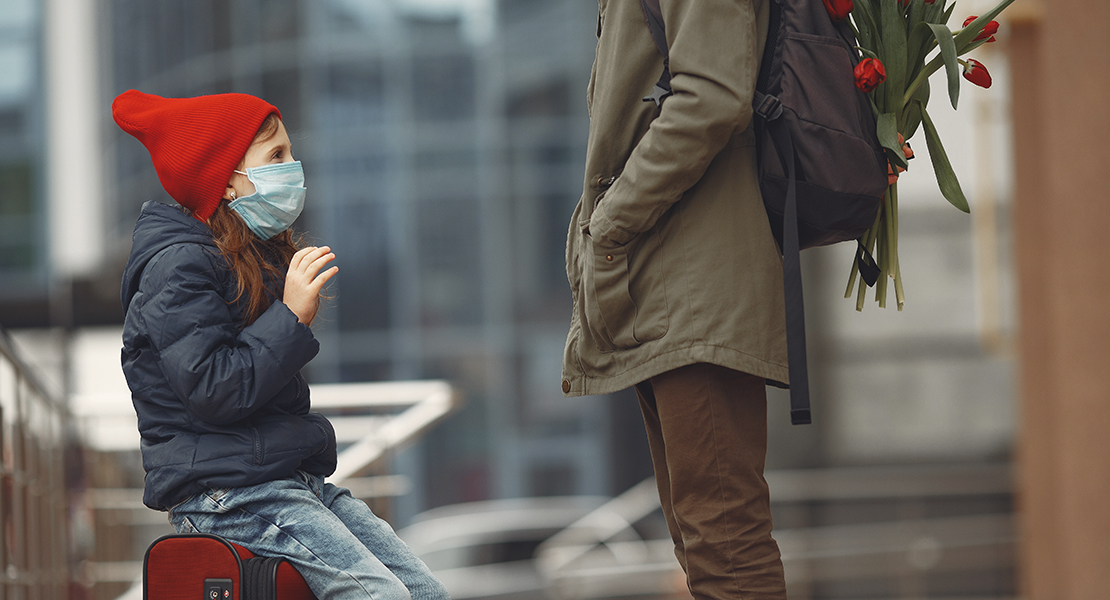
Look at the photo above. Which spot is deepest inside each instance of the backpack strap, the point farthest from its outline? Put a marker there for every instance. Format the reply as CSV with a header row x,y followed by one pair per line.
x,y
653,15
792,279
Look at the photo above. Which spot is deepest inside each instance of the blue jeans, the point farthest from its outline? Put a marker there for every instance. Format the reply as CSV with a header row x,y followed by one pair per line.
x,y
333,540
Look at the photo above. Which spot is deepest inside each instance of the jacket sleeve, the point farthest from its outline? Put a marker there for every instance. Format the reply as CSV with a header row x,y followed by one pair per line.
x,y
714,62
221,374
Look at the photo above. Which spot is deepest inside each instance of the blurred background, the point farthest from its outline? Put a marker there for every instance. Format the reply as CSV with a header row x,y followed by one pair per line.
x,y
443,144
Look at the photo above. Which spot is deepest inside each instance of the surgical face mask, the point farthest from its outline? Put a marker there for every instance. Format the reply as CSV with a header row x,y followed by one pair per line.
x,y
277,200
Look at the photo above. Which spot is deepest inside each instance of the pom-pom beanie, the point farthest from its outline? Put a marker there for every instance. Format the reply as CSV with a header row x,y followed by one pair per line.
x,y
195,143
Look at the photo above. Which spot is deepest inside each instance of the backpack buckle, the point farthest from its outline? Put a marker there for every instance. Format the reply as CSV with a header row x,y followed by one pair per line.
x,y
768,107
658,95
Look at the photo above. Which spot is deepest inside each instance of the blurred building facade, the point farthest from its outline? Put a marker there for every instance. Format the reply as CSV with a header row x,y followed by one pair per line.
x,y
443,146
23,257
443,142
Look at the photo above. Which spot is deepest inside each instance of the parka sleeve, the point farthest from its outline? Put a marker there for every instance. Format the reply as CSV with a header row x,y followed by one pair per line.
x,y
221,374
714,62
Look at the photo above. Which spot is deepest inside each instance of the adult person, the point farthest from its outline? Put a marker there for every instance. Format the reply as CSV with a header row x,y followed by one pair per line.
x,y
219,297
677,279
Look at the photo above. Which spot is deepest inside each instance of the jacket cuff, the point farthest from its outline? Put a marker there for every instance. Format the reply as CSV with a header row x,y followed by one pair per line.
x,y
604,232
287,339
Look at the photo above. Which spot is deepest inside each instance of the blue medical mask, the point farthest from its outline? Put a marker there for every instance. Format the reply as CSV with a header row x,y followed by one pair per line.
x,y
277,200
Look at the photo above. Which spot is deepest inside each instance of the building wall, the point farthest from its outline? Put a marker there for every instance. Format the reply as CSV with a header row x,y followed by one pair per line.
x,y
1061,217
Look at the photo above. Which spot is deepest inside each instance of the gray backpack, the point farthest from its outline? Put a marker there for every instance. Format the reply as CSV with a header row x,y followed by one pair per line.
x,y
822,171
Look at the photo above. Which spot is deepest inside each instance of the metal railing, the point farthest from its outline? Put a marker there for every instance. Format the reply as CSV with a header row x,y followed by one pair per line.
x,y
903,526
370,420
34,561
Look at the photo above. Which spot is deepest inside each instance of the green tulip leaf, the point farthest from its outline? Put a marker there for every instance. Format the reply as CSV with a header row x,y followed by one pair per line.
x,y
916,14
970,47
946,177
922,93
948,52
934,12
863,35
886,128
948,14
868,28
912,115
894,51
920,42
872,5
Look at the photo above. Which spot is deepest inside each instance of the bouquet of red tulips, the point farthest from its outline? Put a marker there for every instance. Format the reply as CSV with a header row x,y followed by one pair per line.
x,y
896,39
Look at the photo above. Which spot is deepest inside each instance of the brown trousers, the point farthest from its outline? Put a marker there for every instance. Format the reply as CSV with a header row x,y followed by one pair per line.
x,y
707,428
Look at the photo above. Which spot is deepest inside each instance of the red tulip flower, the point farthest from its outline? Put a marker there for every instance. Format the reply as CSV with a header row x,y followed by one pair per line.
x,y
838,9
869,74
976,73
988,30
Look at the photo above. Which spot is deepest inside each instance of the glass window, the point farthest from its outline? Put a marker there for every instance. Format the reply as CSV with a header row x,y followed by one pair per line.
x,y
450,276
443,87
362,249
16,70
354,97
279,20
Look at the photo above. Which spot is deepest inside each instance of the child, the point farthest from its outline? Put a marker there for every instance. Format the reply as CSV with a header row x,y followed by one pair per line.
x,y
218,302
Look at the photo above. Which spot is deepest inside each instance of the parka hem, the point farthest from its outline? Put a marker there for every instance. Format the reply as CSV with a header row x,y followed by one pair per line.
x,y
585,385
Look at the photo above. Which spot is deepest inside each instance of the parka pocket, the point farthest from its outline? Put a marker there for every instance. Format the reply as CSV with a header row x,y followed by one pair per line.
x,y
625,299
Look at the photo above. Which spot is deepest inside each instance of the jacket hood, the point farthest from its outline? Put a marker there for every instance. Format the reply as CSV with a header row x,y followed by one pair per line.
x,y
159,226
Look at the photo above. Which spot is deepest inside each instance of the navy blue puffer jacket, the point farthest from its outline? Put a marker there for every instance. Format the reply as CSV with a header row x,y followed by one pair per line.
x,y
219,404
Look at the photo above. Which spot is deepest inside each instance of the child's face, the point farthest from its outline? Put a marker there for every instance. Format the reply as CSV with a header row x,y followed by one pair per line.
x,y
276,149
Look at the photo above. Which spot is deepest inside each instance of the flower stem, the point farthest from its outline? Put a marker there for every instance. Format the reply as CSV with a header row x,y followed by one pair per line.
x,y
852,277
928,70
898,291
855,31
892,224
883,242
868,240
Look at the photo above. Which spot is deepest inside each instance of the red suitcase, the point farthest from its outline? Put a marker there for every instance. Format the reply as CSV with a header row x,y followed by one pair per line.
x,y
196,566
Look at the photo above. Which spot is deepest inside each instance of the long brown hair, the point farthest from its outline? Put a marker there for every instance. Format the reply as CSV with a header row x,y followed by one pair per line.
x,y
253,260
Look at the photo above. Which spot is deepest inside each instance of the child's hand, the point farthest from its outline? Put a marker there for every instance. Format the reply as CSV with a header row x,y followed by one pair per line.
x,y
303,285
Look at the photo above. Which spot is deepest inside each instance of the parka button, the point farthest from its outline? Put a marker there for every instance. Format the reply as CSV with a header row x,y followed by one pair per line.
x,y
609,257
601,181
566,386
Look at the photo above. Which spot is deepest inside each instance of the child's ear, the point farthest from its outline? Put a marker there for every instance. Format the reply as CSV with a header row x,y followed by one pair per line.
x,y
229,192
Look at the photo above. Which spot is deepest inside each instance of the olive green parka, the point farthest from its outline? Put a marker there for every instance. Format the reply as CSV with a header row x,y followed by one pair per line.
x,y
670,256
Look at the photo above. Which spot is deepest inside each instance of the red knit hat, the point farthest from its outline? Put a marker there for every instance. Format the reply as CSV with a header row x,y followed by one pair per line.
x,y
195,143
